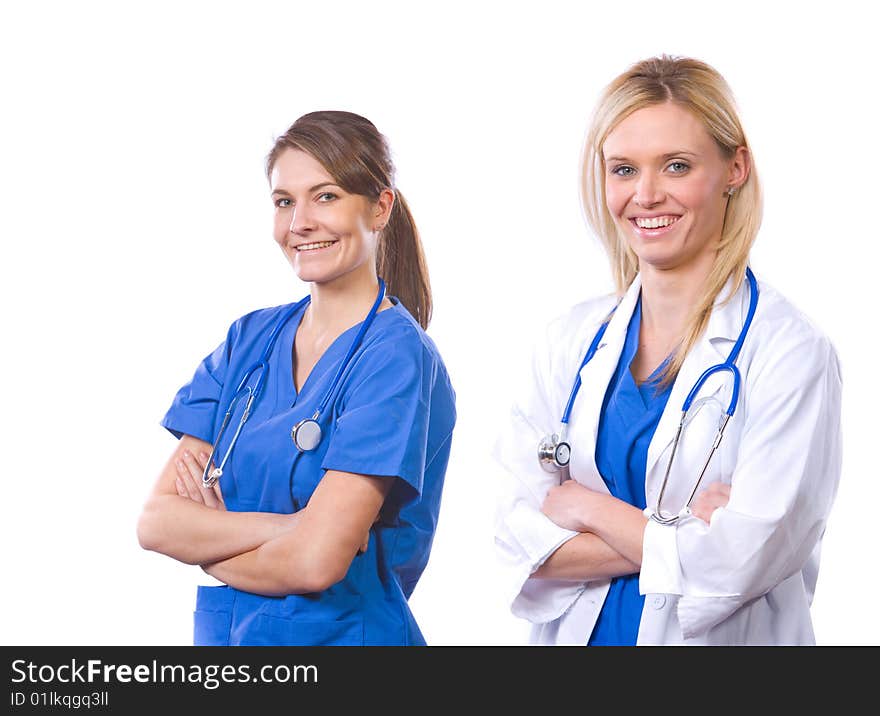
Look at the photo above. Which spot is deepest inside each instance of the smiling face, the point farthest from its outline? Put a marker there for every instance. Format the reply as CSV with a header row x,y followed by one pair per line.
x,y
325,232
666,182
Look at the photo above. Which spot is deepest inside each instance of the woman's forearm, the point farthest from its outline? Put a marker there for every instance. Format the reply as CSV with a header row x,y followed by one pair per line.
x,y
250,573
287,564
195,534
619,524
312,555
583,558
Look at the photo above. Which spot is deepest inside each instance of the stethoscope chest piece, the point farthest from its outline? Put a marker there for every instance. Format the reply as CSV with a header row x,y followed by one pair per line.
x,y
553,453
306,434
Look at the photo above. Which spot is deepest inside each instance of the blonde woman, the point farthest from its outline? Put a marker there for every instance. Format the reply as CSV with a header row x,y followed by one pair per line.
x,y
671,464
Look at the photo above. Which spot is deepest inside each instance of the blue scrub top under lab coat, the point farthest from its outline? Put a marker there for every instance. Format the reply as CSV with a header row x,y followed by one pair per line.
x,y
630,415
392,414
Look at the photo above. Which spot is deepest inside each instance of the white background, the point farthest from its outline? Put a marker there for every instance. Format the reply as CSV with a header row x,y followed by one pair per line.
x,y
135,226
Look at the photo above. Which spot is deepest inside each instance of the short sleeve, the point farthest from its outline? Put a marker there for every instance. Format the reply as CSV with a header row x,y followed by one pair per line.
x,y
194,409
382,421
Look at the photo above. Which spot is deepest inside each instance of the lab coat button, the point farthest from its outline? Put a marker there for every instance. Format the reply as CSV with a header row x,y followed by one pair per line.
x,y
658,601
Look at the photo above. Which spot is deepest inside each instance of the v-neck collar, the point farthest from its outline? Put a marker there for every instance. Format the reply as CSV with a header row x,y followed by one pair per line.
x,y
628,387
286,381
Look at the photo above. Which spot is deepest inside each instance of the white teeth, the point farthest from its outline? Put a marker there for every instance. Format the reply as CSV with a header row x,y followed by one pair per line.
x,y
318,245
656,222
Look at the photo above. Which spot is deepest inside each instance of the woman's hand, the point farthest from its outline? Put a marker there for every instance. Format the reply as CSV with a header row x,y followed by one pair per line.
x,y
567,505
716,494
189,481
620,525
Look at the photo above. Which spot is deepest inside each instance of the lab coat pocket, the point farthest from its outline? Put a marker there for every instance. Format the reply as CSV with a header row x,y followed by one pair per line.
x,y
268,630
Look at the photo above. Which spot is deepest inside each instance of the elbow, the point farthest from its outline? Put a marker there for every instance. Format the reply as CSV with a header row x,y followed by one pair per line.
x,y
153,533
312,584
147,534
314,572
319,576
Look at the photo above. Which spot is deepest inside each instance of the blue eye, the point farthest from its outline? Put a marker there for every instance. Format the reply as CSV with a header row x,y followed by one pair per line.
x,y
623,171
326,196
679,167
283,203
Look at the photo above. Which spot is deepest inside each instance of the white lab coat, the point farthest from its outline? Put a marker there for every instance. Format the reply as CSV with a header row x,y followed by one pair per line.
x,y
749,576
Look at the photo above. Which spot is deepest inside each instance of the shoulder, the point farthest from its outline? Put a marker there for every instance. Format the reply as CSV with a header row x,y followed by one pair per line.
x,y
559,344
778,320
259,320
575,326
783,336
585,315
256,325
397,326
398,339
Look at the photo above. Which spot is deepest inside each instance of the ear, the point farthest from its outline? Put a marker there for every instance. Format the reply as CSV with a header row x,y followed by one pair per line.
x,y
740,166
382,209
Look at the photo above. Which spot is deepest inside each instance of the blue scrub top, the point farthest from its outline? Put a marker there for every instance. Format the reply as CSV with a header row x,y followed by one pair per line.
x,y
630,414
392,414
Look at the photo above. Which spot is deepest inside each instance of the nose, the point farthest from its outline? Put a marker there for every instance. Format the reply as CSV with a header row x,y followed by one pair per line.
x,y
301,220
648,191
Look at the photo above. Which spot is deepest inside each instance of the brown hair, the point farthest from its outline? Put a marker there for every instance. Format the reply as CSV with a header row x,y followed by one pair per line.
x,y
357,156
701,90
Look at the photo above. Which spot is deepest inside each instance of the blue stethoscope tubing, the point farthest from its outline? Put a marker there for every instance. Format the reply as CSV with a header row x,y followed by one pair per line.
x,y
554,452
306,434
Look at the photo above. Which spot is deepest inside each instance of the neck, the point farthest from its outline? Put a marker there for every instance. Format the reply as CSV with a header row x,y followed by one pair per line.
x,y
343,301
669,295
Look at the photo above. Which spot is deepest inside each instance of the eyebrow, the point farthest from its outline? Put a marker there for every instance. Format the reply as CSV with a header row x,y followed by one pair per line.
x,y
310,189
679,153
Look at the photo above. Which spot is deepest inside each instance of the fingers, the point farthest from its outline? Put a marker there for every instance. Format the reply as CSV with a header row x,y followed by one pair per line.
x,y
189,480
186,485
209,494
716,494
218,495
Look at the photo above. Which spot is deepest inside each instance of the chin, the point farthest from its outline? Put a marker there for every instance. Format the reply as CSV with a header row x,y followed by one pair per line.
x,y
660,258
319,275
309,274
312,276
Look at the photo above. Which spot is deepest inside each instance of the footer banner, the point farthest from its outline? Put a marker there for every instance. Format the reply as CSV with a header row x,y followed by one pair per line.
x,y
133,679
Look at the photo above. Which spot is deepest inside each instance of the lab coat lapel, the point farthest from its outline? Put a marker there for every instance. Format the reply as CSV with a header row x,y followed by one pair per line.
x,y
712,348
595,376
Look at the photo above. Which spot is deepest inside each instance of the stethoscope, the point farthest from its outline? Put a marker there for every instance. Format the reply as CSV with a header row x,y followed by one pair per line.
x,y
306,434
554,452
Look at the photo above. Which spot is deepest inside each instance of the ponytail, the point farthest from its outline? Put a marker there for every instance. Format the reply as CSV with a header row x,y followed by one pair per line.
x,y
400,261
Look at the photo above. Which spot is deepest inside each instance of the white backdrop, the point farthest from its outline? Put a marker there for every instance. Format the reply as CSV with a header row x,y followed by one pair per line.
x,y
135,225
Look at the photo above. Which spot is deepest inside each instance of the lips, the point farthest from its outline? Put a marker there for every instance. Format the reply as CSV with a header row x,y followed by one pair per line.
x,y
655,222
313,246
653,226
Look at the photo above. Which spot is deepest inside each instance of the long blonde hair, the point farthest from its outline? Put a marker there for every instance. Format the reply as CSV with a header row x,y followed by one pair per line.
x,y
700,89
